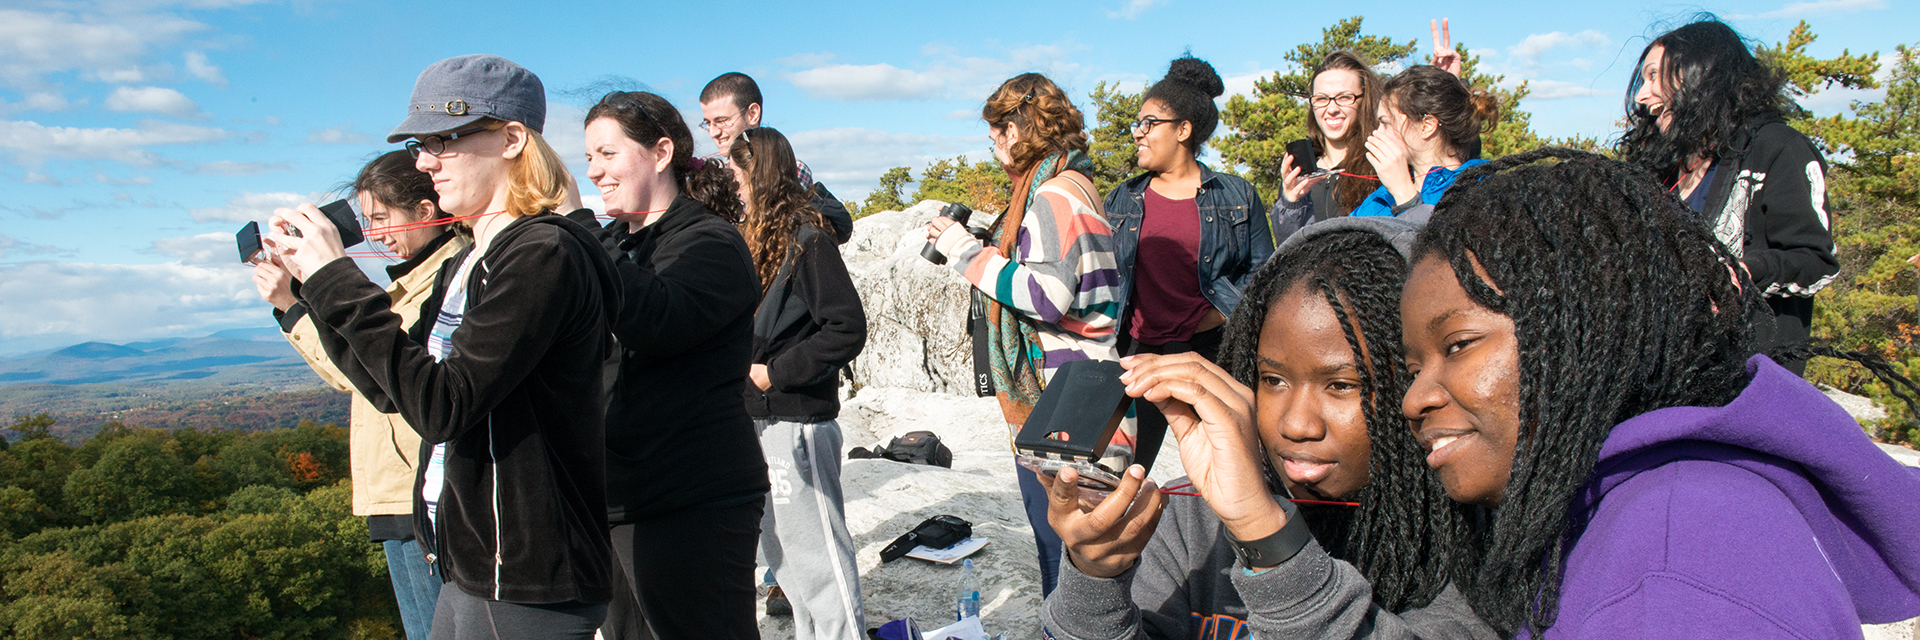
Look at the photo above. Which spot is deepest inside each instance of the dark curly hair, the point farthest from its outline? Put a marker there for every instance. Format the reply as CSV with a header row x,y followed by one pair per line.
x,y
777,206
1188,91
646,118
1049,123
1714,86
1406,537
1424,90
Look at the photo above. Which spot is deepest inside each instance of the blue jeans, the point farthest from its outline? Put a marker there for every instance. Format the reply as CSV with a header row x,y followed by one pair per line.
x,y
415,585
1034,497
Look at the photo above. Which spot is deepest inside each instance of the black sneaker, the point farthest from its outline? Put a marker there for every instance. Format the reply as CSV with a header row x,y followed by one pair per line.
x,y
777,604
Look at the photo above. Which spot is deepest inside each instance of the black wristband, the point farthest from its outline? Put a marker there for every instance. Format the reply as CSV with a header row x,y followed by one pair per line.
x,y
1279,547
291,317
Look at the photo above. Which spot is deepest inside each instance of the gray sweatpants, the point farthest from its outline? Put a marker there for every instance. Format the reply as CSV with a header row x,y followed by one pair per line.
x,y
804,532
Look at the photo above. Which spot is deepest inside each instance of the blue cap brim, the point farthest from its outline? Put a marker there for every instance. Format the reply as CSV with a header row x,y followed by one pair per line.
x,y
422,123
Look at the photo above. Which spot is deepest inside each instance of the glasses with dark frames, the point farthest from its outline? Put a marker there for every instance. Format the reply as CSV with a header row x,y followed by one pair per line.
x,y
1144,125
1321,100
437,144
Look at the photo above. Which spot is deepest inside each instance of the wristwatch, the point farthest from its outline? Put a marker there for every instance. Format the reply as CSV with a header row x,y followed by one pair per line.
x,y
1277,548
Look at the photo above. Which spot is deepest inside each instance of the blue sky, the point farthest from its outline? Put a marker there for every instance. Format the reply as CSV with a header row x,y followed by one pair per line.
x,y
137,135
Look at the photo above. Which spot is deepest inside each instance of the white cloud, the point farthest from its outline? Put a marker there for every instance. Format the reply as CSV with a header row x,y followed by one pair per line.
x,y
252,207
160,100
343,134
948,76
136,180
35,177
32,142
45,102
1242,85
1556,89
1133,8
106,45
43,301
207,249
1534,45
870,82
199,67
850,160
10,245
1819,8
232,168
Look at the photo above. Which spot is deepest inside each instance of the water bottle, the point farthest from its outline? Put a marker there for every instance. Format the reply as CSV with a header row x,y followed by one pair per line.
x,y
969,591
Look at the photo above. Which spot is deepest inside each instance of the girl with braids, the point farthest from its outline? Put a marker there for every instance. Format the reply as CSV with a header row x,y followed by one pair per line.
x,y
684,327
1311,367
1166,219
1582,364
1429,131
808,326
1343,110
1049,276
1706,118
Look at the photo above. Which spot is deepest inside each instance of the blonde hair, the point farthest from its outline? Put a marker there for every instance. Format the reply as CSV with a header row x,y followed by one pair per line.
x,y
537,179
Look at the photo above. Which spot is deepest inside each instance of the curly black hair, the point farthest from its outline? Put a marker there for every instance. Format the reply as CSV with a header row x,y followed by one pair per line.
x,y
1406,537
1714,86
1188,91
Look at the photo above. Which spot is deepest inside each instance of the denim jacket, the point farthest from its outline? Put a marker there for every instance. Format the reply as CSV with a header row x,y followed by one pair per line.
x,y
1234,235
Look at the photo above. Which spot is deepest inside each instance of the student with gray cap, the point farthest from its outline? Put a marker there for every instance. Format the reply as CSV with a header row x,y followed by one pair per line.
x,y
503,380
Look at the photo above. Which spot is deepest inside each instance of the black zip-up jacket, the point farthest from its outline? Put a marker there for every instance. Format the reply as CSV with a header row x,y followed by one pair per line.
x,y
519,402
677,436
804,357
1768,203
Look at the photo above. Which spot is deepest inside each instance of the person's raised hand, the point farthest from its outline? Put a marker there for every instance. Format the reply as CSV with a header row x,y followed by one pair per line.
x,y
1106,539
317,244
1211,415
274,283
937,226
1292,186
1389,156
1444,55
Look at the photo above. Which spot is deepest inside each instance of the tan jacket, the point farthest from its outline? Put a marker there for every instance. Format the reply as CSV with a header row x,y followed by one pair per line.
x,y
382,448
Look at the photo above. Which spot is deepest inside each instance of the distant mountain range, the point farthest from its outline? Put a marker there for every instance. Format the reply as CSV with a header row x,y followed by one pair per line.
x,y
241,378
243,356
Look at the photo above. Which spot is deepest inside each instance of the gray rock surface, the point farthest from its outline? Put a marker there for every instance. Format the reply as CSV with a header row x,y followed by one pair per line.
x,y
916,310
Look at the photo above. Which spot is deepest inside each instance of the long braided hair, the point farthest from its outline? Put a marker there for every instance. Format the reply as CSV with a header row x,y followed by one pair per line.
x,y
1406,537
1621,304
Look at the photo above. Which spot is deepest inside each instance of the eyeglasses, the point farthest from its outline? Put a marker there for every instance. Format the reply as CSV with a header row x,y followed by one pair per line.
x,y
436,144
1144,125
708,125
1320,100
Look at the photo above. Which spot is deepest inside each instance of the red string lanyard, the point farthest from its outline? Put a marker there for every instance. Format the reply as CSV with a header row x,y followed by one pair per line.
x,y
1173,491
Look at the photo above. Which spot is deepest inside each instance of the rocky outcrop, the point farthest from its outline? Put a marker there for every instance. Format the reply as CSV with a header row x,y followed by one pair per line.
x,y
916,310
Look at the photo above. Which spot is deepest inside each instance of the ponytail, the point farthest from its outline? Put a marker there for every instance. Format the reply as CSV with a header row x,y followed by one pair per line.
x,y
1463,112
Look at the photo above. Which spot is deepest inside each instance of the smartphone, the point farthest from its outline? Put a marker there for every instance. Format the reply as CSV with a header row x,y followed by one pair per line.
x,y
249,240
1303,159
1096,481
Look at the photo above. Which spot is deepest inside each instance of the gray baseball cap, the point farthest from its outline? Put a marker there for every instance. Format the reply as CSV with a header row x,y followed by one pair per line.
x,y
459,91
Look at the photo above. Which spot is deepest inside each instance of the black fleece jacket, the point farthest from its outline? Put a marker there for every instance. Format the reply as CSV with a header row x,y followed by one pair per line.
x,y
804,360
677,436
1768,203
519,402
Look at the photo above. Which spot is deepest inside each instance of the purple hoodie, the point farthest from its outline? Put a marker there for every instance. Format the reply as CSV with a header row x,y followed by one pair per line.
x,y
1771,517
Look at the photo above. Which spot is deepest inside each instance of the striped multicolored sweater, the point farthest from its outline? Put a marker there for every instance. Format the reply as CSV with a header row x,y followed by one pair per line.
x,y
1063,275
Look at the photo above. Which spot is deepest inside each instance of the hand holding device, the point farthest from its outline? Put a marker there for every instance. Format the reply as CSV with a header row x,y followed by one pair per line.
x,y
1300,170
959,214
1104,539
1211,414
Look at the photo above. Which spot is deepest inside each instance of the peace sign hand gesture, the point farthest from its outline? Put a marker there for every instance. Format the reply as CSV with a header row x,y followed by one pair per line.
x,y
1444,56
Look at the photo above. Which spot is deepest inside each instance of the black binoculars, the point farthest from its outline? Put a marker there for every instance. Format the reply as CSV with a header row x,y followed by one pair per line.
x,y
959,214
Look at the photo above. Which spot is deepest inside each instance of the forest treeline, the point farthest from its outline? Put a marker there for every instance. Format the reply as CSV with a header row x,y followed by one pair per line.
x,y
185,533
1873,188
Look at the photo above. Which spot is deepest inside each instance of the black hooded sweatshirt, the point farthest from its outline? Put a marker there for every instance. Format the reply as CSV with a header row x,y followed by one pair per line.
x,y
677,436
519,401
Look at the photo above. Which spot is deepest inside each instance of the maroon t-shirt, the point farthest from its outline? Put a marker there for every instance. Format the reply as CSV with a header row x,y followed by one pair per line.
x,y
1166,304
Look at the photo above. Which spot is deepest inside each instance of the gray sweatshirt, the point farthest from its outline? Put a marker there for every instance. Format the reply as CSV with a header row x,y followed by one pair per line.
x,y
1188,584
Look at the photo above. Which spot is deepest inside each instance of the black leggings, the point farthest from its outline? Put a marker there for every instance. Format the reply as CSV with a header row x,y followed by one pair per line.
x,y
463,616
689,574
1151,427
